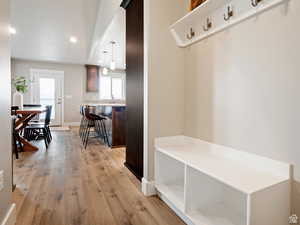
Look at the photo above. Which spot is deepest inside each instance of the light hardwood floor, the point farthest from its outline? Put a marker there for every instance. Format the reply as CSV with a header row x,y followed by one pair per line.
x,y
67,185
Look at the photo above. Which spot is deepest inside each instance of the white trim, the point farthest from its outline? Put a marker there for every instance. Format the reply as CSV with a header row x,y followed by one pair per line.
x,y
33,89
10,218
148,187
146,88
63,98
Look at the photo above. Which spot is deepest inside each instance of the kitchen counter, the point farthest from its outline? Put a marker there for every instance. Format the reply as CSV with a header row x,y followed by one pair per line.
x,y
106,104
115,114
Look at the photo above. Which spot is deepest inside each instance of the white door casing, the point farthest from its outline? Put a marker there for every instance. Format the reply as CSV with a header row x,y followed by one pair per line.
x,y
35,98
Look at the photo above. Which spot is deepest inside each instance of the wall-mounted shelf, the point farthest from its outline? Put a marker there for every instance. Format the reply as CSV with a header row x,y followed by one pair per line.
x,y
193,27
210,184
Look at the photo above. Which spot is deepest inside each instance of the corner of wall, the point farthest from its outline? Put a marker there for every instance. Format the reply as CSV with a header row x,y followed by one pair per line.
x,y
163,75
148,187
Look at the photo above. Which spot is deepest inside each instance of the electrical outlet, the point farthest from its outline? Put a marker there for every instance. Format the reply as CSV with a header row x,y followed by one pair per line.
x,y
293,219
1,180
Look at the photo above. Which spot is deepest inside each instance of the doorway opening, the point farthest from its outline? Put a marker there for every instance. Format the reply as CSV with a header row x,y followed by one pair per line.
x,y
47,89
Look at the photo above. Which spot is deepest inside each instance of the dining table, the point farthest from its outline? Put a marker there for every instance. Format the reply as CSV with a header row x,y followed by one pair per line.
x,y
26,115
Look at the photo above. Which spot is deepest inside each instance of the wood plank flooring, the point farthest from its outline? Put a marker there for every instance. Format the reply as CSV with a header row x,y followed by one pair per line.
x,y
67,185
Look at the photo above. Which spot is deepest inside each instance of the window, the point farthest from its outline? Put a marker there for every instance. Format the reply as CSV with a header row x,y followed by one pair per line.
x,y
47,94
117,88
112,87
105,87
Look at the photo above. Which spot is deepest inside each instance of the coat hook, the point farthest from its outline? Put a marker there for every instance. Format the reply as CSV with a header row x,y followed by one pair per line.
x,y
229,13
191,34
208,25
255,3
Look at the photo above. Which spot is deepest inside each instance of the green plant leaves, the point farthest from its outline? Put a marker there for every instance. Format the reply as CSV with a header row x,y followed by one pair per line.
x,y
20,83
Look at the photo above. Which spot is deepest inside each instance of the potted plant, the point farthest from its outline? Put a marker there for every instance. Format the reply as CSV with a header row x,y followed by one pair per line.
x,y
20,84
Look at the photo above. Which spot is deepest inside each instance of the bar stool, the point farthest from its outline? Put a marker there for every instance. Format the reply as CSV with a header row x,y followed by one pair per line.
x,y
97,122
82,121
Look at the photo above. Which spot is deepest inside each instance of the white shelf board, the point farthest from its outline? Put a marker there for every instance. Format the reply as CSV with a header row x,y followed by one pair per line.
x,y
205,8
205,217
198,16
174,193
243,171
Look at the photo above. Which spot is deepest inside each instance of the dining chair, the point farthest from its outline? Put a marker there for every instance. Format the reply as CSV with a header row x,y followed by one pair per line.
x,y
14,110
16,139
41,130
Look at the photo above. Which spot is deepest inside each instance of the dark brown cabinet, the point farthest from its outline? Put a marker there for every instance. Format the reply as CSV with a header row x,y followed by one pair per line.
x,y
134,85
92,78
115,122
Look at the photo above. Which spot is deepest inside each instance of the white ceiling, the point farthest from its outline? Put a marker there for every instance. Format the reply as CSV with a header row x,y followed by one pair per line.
x,y
44,28
114,32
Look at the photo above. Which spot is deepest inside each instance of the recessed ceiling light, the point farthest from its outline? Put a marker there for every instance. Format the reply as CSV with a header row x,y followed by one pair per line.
x,y
73,40
12,30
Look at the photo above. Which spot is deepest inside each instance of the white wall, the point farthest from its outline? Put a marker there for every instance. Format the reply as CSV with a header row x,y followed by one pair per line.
x,y
75,76
242,87
74,85
238,88
5,119
164,90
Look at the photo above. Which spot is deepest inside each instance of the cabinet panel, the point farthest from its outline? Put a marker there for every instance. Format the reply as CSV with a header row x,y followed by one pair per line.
x,y
134,87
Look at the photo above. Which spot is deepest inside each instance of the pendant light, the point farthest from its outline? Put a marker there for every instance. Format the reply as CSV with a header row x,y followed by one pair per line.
x,y
105,70
112,63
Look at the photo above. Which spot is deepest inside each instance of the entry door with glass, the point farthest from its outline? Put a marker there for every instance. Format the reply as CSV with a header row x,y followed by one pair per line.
x,y
48,90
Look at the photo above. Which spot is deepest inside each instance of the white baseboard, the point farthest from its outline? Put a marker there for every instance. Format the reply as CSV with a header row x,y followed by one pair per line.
x,y
148,187
72,124
10,218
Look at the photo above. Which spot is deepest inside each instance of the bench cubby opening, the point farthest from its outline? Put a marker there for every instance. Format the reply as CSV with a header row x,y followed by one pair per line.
x,y
170,178
209,201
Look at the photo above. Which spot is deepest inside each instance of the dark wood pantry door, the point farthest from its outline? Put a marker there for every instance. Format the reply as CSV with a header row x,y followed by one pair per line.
x,y
134,85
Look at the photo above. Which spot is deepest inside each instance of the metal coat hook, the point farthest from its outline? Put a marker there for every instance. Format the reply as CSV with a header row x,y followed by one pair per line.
x,y
229,13
208,25
191,34
255,3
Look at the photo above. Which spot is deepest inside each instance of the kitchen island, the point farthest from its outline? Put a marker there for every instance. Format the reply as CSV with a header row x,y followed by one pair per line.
x,y
115,123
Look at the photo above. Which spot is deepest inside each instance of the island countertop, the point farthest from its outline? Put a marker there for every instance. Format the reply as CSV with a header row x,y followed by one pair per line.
x,y
106,104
